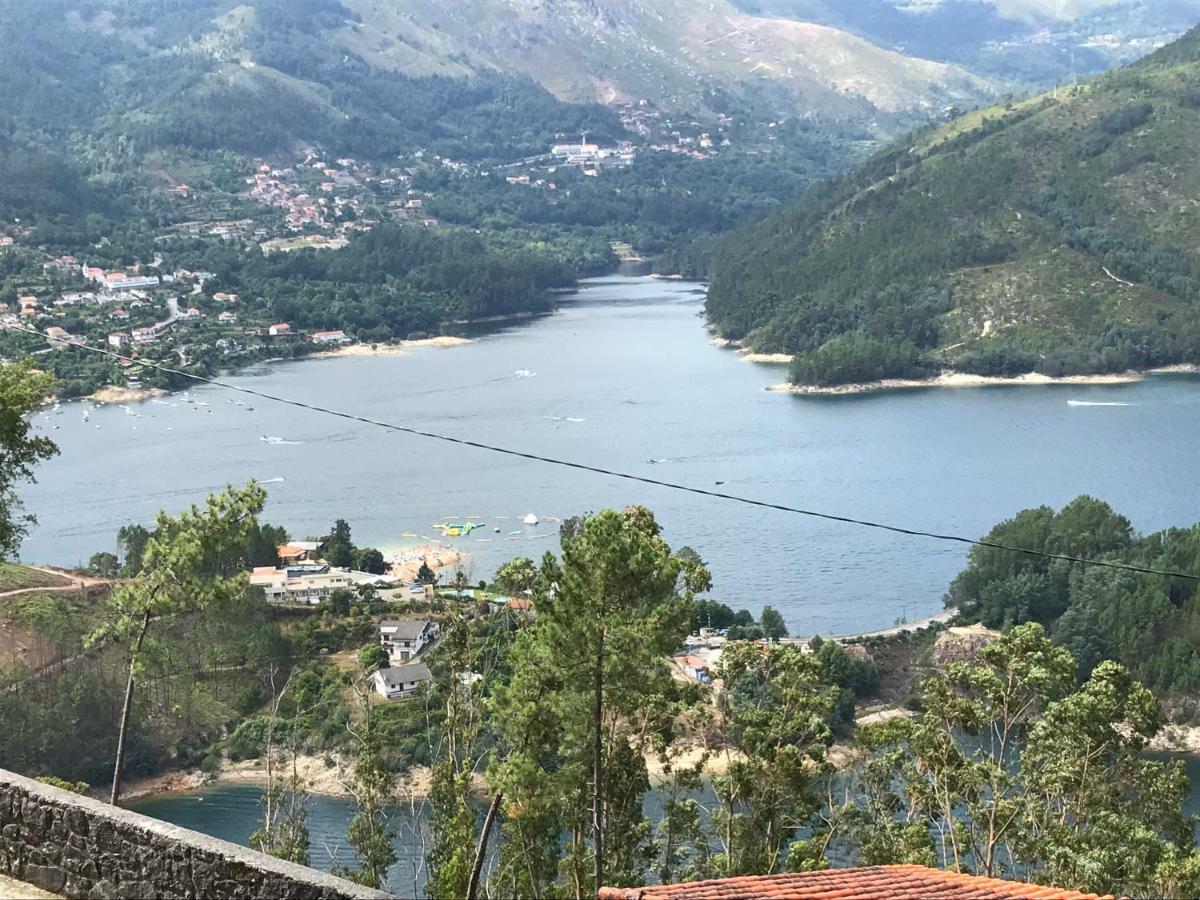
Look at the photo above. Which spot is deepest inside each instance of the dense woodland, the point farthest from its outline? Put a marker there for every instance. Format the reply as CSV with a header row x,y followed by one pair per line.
x,y
1049,236
1148,623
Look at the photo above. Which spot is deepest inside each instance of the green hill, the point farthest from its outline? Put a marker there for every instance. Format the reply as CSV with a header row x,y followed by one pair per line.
x,y
1060,234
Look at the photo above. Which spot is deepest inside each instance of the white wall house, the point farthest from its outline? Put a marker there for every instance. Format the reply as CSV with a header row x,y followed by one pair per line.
x,y
405,638
401,682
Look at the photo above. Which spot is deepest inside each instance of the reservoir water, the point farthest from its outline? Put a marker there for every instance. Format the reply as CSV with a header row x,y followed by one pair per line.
x,y
624,376
232,812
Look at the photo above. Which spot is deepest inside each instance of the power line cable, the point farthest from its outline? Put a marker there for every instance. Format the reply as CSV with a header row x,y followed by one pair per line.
x,y
626,476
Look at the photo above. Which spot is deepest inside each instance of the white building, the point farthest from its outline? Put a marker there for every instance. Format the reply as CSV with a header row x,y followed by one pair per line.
x,y
300,584
405,638
330,337
402,681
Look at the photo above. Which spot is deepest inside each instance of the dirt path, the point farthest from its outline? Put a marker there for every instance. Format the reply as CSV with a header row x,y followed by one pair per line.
x,y
73,583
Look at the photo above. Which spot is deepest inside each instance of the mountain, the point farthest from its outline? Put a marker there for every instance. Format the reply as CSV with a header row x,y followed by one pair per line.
x,y
376,76
680,53
1060,234
1025,43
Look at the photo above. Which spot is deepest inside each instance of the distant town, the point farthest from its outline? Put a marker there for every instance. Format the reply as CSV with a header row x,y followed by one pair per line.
x,y
146,311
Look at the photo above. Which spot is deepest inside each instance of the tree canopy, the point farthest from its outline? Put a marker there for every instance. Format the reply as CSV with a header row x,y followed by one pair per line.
x,y
22,391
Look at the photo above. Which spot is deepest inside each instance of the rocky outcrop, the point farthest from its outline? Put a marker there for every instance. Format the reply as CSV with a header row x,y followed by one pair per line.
x,y
961,644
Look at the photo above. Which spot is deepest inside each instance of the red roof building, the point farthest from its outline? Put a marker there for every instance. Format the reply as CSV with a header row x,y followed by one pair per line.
x,y
869,883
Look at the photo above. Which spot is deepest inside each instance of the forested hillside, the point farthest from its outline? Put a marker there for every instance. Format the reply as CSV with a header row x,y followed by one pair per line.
x,y
1146,622
1058,234
204,75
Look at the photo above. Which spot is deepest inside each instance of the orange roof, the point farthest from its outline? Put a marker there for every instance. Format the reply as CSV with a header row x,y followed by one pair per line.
x,y
870,883
519,604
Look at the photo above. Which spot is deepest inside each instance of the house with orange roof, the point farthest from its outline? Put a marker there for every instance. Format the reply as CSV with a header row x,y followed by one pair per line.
x,y
280,328
904,882
694,667
297,551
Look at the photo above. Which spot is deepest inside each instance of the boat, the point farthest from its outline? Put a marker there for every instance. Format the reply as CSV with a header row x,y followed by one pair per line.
x,y
531,519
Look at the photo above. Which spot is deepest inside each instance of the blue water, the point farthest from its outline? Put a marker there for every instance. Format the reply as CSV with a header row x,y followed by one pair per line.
x,y
622,375
233,813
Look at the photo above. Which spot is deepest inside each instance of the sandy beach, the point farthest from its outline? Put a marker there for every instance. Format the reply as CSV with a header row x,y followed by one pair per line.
x,y
954,379
112,394
745,354
399,348
321,774
406,561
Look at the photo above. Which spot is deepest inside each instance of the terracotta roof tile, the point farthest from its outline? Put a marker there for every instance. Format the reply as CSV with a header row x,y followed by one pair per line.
x,y
867,883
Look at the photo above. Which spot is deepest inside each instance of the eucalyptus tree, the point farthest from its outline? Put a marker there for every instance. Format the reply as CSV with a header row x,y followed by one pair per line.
x,y
188,565
1013,770
774,717
373,785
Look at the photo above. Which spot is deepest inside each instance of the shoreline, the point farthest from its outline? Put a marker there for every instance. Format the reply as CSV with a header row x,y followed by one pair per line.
x,y
326,776
404,560
953,379
745,354
111,395
398,348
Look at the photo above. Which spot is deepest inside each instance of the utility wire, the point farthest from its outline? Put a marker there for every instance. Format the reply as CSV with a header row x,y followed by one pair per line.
x,y
625,476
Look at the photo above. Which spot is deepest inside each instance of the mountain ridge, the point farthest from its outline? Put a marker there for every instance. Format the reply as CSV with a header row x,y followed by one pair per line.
x,y
1052,235
304,67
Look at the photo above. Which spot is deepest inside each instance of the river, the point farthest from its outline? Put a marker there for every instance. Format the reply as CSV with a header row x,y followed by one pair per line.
x,y
624,377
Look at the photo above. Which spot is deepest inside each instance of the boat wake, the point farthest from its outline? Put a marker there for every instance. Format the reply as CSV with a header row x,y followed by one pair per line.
x,y
279,442
1096,403
279,480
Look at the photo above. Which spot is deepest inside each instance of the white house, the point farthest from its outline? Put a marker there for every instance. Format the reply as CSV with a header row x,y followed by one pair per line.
x,y
405,638
302,584
330,337
401,682
279,328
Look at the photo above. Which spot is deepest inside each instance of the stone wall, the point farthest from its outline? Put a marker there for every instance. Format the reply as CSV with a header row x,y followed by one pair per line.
x,y
80,847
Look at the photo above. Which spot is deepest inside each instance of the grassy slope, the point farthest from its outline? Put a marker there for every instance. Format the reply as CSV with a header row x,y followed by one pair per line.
x,y
1012,214
15,577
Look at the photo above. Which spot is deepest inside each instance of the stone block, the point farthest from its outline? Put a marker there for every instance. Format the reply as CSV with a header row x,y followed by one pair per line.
x,y
48,878
105,889
77,822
